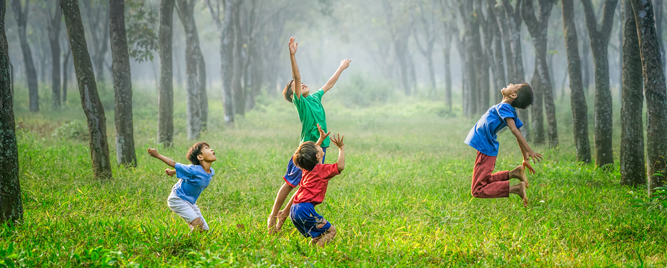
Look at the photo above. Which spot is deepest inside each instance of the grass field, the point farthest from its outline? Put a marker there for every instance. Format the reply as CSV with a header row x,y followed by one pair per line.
x,y
403,199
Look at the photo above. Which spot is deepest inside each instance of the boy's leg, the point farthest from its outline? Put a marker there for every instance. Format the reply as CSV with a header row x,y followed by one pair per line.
x,y
186,211
283,214
519,173
326,237
520,190
484,183
199,222
280,199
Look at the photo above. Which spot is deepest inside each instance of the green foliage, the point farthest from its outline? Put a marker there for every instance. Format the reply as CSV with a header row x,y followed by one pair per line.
x,y
141,24
362,91
74,130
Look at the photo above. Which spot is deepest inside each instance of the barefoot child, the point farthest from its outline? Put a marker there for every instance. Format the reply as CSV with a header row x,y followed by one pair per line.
x,y
312,189
193,179
311,113
483,138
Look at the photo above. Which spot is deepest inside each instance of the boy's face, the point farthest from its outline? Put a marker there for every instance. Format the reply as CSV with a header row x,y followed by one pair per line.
x,y
304,89
207,154
320,154
510,91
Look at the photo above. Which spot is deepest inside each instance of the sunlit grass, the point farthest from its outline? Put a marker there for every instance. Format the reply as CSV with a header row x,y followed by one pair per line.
x,y
403,200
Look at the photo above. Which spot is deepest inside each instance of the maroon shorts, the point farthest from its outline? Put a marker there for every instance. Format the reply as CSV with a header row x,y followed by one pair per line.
x,y
485,183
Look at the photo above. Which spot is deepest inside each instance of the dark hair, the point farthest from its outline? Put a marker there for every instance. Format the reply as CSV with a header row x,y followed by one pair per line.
x,y
195,151
524,96
306,156
288,92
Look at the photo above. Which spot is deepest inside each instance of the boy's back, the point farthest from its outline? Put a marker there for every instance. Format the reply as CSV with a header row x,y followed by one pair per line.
x,y
313,186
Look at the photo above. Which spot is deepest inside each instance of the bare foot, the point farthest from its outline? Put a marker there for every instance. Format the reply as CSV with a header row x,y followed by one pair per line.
x,y
282,217
271,222
522,193
518,173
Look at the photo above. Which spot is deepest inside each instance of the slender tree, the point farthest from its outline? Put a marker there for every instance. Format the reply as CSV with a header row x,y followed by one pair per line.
x,y
21,16
633,169
66,63
498,67
90,100
185,13
427,22
577,95
538,30
165,116
54,23
98,22
122,84
514,22
654,92
226,46
11,207
399,31
599,36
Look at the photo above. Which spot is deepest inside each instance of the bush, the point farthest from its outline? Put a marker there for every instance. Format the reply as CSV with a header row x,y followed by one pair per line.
x,y
74,130
362,91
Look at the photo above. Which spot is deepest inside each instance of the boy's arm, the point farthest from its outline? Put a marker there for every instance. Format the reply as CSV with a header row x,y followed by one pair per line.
x,y
526,151
332,81
295,69
166,160
338,141
322,135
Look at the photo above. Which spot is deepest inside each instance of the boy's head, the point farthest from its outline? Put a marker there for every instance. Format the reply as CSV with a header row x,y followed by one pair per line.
x,y
521,95
288,91
200,152
308,155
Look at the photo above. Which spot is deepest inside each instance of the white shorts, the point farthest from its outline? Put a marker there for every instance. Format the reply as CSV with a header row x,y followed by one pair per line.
x,y
189,212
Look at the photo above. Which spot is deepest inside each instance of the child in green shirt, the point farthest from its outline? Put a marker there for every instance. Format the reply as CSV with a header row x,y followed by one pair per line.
x,y
312,116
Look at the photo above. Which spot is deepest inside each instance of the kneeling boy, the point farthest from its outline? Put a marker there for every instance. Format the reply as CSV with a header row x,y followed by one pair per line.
x,y
312,189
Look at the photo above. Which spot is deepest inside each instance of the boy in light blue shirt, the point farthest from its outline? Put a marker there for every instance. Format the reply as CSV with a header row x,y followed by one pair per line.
x,y
193,179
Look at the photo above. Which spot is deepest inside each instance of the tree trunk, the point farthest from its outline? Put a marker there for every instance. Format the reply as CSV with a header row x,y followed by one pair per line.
x,y
11,206
538,30
498,66
21,16
54,40
227,39
599,36
502,22
633,169
203,98
165,116
90,101
448,73
486,59
66,74
514,21
237,82
585,62
577,95
654,92
658,29
185,13
122,84
98,17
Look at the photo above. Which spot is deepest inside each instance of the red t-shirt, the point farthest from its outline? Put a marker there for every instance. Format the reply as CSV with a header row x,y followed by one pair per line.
x,y
314,183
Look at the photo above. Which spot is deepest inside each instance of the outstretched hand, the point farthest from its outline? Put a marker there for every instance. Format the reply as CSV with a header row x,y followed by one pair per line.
x,y
170,172
338,140
292,46
153,152
526,164
345,63
535,156
322,134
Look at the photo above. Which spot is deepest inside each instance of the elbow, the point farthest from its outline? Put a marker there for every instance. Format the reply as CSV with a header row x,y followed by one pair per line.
x,y
341,168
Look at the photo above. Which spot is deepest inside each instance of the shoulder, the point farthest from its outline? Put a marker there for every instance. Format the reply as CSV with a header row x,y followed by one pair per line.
x,y
183,166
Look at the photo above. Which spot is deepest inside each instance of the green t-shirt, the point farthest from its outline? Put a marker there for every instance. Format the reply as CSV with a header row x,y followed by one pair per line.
x,y
311,113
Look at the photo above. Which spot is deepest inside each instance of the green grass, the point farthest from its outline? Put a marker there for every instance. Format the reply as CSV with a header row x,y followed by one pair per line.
x,y
403,199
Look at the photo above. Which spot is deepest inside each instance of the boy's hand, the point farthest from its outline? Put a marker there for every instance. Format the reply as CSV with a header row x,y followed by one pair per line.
x,y
322,134
338,141
292,46
526,164
153,152
533,155
345,63
170,172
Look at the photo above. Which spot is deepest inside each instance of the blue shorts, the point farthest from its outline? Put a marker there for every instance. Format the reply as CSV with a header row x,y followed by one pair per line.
x,y
306,220
293,174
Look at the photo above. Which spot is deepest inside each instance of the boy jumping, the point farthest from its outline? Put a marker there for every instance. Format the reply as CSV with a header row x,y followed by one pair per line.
x,y
483,138
193,179
311,113
312,189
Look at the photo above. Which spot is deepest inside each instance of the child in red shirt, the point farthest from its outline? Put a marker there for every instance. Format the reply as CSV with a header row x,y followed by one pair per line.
x,y
312,189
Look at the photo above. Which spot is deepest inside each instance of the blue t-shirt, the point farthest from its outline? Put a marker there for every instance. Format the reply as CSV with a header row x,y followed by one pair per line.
x,y
193,180
483,135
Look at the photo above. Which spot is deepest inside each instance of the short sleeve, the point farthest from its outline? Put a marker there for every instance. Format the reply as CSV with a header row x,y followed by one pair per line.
x,y
318,95
330,170
183,171
518,123
506,111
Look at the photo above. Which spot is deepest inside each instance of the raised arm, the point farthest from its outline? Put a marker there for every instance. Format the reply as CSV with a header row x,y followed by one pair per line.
x,y
153,152
338,141
526,151
332,81
295,69
322,135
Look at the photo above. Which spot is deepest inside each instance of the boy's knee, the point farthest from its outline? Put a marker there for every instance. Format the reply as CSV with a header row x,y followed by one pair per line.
x,y
197,223
332,231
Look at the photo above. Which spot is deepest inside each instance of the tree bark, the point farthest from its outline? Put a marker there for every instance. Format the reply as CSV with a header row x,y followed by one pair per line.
x,y
514,21
577,95
54,40
654,92
538,30
165,116
11,206
633,168
203,98
185,13
486,57
66,74
237,81
90,100
448,73
498,66
227,40
122,84
21,16
599,36
658,29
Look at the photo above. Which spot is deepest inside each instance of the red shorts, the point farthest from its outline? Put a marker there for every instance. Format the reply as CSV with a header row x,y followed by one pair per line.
x,y
486,184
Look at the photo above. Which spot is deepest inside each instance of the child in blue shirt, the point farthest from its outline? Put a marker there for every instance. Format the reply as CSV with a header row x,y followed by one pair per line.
x,y
483,138
193,179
